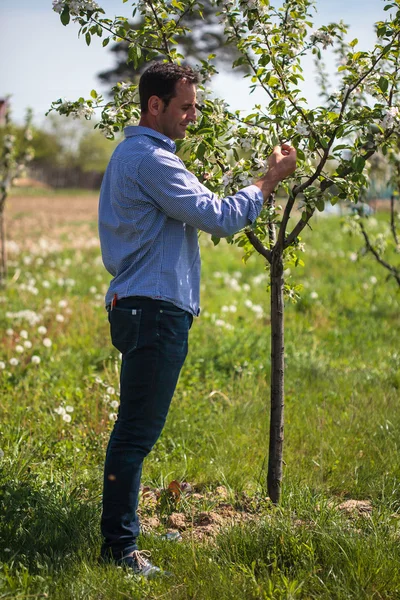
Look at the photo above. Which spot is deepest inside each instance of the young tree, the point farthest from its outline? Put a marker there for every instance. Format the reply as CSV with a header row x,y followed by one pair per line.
x,y
16,152
333,140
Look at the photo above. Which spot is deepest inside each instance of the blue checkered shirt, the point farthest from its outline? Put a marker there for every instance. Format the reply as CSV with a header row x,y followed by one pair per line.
x,y
150,209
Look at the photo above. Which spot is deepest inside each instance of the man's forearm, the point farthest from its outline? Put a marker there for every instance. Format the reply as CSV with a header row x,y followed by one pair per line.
x,y
267,185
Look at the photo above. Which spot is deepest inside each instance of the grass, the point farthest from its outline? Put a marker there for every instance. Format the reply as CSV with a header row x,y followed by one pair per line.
x,y
342,429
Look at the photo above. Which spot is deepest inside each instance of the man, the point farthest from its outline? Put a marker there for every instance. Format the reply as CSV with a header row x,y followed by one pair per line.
x,y
149,213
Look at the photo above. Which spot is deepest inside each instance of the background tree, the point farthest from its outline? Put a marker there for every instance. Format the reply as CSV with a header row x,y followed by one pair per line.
x,y
343,131
382,240
205,37
16,153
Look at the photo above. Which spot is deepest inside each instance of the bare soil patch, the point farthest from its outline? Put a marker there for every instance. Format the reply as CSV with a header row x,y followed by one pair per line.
x,y
50,216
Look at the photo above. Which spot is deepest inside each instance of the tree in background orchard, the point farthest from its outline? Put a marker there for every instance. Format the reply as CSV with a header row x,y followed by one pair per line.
x,y
383,244
333,140
16,153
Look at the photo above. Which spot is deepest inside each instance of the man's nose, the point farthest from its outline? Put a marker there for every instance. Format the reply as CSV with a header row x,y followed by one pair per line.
x,y
193,115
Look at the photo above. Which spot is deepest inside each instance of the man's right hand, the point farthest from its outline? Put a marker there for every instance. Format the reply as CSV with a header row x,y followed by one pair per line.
x,y
281,164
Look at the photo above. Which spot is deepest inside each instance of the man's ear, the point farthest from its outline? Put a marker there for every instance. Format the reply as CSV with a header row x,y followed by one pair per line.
x,y
155,105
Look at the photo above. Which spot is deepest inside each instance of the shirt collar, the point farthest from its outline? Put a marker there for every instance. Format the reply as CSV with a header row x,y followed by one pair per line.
x,y
133,130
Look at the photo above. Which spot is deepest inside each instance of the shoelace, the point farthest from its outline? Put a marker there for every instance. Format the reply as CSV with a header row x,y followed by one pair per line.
x,y
141,557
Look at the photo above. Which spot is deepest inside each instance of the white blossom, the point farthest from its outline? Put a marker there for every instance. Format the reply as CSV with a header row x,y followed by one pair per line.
x,y
67,418
42,330
390,117
227,178
2,364
322,36
302,129
260,163
113,416
75,6
47,342
14,362
35,359
23,334
60,410
19,349
69,409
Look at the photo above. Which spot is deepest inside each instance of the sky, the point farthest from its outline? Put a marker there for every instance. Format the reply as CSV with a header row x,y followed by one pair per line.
x,y
41,60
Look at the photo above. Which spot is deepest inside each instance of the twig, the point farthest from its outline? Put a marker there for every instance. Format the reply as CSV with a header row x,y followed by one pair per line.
x,y
161,29
395,272
271,224
392,221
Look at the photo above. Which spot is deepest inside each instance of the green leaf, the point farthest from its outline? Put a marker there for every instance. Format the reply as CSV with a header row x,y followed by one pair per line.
x,y
383,84
359,164
320,204
215,240
332,116
64,16
200,151
88,38
105,42
93,93
353,42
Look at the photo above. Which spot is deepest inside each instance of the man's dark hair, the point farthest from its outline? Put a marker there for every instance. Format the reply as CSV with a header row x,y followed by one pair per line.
x,y
160,80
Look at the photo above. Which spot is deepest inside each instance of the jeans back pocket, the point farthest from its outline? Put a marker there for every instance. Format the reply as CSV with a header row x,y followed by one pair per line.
x,y
124,328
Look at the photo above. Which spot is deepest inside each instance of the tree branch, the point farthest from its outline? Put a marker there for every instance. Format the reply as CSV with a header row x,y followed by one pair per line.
x,y
325,184
161,30
393,271
258,245
393,222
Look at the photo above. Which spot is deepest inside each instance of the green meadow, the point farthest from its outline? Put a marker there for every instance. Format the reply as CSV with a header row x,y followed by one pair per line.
x,y
336,533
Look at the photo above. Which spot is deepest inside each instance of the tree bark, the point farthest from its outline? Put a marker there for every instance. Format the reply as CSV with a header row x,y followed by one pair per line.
x,y
275,460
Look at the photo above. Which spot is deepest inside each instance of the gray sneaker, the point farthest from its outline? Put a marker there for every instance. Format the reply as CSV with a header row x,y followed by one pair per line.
x,y
139,563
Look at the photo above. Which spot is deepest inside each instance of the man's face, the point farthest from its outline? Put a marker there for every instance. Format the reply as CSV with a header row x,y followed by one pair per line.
x,y
173,120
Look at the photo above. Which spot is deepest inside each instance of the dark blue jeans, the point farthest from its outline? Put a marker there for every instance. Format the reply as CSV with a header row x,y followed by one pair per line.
x,y
152,336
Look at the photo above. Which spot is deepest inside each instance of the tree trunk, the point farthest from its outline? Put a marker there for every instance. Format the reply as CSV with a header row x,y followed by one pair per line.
x,y
3,255
274,477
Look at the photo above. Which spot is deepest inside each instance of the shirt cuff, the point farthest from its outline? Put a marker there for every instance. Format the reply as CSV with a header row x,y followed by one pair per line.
x,y
256,201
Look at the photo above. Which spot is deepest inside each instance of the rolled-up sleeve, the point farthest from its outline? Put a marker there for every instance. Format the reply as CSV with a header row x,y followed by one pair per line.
x,y
179,194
